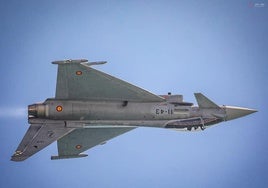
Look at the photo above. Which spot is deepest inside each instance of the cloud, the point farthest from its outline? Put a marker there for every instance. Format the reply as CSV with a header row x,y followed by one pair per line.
x,y
13,112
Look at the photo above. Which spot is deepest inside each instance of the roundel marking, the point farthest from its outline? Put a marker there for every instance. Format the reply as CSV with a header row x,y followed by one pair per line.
x,y
59,108
78,73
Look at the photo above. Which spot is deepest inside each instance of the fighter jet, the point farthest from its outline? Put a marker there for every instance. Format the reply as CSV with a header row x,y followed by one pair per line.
x,y
91,107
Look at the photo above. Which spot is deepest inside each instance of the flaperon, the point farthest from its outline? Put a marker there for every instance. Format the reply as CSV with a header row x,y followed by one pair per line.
x,y
91,107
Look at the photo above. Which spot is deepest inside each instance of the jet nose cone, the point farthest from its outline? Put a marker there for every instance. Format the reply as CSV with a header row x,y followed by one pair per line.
x,y
233,112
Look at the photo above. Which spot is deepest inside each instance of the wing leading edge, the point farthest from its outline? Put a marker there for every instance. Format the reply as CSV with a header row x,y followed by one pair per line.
x,y
77,80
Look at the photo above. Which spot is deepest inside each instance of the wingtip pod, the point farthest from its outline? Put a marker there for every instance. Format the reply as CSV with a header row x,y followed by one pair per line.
x,y
95,63
18,156
78,61
68,156
70,61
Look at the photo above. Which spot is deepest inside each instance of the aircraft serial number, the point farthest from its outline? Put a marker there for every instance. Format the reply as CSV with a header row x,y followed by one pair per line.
x,y
159,111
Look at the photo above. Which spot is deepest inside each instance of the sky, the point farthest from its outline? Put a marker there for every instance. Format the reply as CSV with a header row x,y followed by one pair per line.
x,y
219,48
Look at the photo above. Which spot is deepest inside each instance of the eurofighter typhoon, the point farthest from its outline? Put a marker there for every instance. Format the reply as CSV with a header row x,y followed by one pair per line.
x,y
91,107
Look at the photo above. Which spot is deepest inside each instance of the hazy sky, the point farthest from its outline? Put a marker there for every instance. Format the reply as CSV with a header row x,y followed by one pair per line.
x,y
219,48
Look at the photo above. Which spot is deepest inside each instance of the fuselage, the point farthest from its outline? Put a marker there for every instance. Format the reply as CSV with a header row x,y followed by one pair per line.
x,y
181,116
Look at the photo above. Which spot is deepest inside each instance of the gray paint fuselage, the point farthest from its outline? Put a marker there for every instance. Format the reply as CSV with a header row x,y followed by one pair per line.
x,y
121,113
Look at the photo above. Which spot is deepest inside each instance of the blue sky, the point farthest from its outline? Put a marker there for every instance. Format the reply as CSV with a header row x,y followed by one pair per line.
x,y
219,48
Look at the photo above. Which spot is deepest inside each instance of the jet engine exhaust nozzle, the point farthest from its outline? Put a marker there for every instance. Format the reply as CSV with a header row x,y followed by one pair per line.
x,y
37,111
